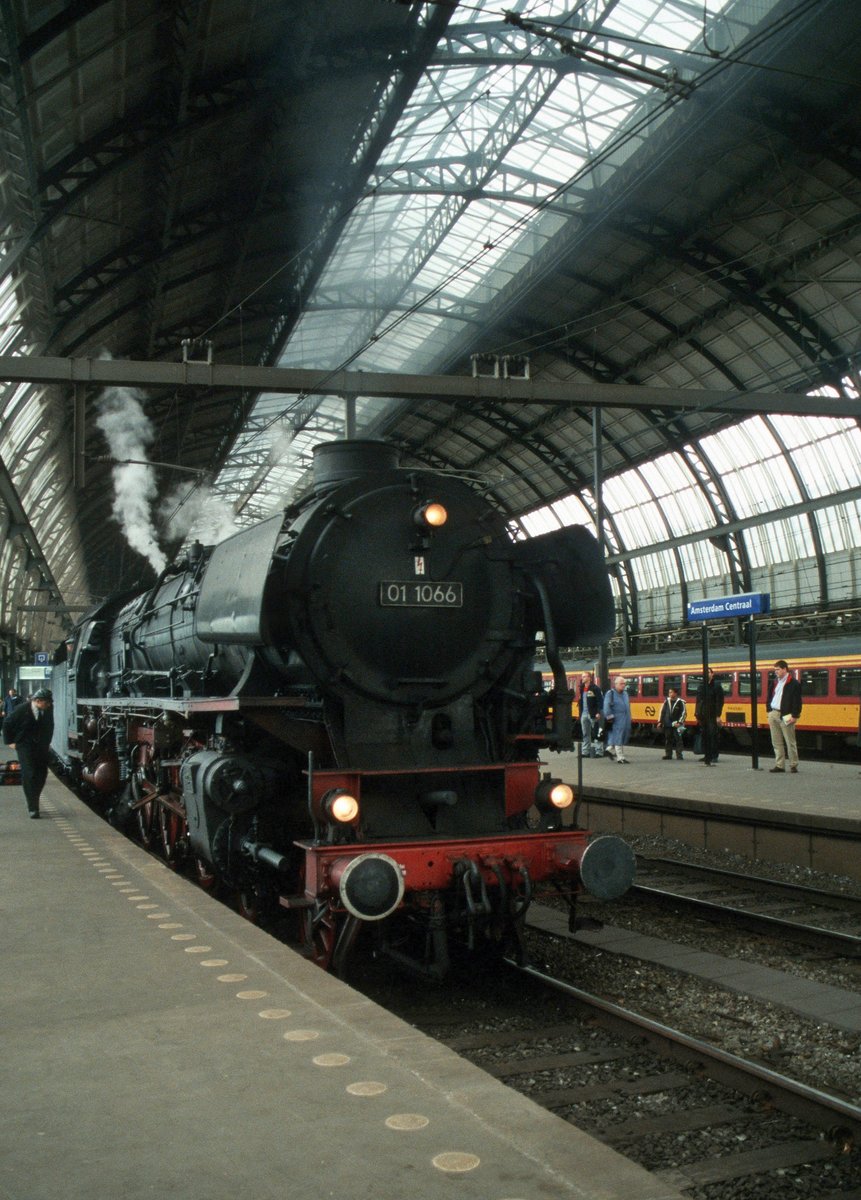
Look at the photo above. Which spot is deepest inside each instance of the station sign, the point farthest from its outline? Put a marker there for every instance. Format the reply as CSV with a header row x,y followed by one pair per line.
x,y
747,604
31,674
41,658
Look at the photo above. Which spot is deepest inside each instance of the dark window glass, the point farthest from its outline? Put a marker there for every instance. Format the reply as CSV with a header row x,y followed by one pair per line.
x,y
849,681
692,682
651,685
814,683
744,683
672,681
633,686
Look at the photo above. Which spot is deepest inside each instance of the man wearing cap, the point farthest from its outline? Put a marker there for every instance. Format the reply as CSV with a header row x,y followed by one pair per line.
x,y
28,730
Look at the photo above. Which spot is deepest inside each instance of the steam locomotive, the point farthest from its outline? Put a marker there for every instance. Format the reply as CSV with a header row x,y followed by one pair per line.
x,y
335,713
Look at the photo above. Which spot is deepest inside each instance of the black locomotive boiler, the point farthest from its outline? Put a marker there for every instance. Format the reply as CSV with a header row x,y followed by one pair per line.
x,y
336,712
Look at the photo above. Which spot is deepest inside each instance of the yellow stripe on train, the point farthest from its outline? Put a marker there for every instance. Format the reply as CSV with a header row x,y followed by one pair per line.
x,y
815,716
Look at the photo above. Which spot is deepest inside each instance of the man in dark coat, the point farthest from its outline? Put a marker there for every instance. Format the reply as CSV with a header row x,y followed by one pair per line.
x,y
591,710
29,730
784,708
673,716
708,710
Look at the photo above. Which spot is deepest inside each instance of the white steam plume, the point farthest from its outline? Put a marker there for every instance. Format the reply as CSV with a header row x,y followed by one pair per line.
x,y
128,432
197,511
281,454
281,451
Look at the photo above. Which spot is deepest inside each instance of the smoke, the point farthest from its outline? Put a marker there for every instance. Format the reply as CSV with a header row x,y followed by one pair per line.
x,y
196,510
281,456
281,446
129,432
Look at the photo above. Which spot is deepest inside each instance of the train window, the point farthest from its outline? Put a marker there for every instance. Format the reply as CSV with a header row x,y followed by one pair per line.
x,y
814,683
849,681
744,683
672,681
633,686
692,682
651,685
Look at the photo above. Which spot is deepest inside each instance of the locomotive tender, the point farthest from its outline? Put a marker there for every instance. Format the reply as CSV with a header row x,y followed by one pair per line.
x,y
336,713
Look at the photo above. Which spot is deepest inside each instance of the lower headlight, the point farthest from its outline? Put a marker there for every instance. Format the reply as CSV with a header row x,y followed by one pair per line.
x,y
553,793
340,806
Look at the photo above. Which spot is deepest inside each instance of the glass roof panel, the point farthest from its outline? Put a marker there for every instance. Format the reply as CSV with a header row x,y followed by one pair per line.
x,y
826,451
752,468
838,528
457,203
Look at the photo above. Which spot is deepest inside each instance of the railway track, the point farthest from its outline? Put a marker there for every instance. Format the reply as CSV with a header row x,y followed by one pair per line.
x,y
707,1122
829,921
698,1117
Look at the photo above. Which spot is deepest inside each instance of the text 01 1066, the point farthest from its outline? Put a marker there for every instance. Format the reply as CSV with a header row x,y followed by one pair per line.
x,y
417,593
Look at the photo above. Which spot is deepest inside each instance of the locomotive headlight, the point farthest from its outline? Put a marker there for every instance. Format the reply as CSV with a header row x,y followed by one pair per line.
x,y
431,516
552,793
340,806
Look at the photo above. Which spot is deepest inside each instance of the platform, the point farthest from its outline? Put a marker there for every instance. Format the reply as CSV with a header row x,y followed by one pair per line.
x,y
812,819
157,1044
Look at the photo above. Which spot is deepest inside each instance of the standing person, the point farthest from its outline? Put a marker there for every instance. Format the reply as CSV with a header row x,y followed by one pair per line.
x,y
673,716
708,711
591,704
29,730
10,700
617,715
784,709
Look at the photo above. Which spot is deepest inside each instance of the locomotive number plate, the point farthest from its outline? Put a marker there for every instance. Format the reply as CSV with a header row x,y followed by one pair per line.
x,y
420,594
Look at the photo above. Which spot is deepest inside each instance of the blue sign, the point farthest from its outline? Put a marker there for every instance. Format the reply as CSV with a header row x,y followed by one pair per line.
x,y
41,658
748,604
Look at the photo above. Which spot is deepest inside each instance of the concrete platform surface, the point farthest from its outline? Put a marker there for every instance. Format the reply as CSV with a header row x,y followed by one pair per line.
x,y
825,794
155,1044
810,820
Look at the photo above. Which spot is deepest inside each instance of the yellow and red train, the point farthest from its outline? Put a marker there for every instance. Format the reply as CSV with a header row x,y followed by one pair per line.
x,y
829,672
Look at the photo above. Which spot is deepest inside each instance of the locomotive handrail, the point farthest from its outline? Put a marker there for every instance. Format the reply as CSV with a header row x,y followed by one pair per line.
x,y
563,724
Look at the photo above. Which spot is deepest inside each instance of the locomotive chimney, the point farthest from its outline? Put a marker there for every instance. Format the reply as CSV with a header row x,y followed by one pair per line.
x,y
336,462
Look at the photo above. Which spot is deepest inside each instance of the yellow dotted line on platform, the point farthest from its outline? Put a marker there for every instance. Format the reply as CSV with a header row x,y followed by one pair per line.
x,y
449,1161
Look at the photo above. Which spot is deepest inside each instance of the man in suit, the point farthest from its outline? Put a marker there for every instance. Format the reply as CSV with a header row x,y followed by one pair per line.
x,y
784,709
28,730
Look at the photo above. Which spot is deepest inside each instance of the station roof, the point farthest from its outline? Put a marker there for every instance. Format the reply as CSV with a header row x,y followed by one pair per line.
x,y
650,192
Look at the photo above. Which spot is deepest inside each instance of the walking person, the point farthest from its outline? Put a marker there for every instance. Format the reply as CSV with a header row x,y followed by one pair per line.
x,y
28,730
617,717
673,716
709,707
10,700
784,709
591,706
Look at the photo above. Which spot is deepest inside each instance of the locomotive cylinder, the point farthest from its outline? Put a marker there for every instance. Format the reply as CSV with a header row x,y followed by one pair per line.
x,y
102,775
